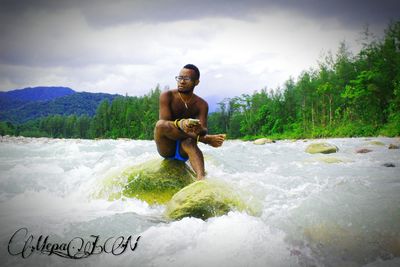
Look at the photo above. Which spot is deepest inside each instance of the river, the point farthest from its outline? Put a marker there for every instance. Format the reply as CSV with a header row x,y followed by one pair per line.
x,y
312,213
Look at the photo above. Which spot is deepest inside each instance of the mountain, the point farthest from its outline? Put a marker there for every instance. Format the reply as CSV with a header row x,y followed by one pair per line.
x,y
19,106
36,93
17,98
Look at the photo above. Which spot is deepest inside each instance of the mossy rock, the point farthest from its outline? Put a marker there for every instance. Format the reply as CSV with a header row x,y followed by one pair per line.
x,y
376,143
204,199
155,181
324,148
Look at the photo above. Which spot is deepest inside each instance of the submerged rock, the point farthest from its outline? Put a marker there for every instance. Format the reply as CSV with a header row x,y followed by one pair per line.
x,y
155,181
324,148
204,199
363,150
330,160
389,164
262,141
376,143
332,238
331,234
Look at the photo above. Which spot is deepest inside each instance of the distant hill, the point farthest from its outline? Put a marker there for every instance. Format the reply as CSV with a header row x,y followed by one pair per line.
x,y
37,93
19,106
17,98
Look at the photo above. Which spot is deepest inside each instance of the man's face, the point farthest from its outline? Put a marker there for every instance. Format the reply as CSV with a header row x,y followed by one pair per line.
x,y
186,82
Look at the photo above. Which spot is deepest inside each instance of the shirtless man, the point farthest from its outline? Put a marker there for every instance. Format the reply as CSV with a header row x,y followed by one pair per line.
x,y
183,122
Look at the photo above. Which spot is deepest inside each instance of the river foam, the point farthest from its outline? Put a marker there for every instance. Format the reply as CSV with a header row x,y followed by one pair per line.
x,y
313,213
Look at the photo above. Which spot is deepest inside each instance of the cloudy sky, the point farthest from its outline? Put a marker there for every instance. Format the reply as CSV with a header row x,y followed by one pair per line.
x,y
128,47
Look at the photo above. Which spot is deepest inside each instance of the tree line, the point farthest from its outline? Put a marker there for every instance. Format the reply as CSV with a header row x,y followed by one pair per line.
x,y
347,95
124,117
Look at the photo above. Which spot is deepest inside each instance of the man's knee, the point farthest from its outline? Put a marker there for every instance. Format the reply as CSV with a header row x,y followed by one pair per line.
x,y
162,126
188,143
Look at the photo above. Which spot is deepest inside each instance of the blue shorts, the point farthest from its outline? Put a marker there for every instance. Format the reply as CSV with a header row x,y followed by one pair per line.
x,y
177,155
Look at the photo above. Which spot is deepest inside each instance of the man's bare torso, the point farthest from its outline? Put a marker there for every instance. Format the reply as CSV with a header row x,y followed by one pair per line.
x,y
178,108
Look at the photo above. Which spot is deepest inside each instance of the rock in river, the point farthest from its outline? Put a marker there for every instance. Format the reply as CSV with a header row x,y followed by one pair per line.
x,y
330,160
324,148
262,141
376,143
388,164
204,199
363,150
154,181
393,146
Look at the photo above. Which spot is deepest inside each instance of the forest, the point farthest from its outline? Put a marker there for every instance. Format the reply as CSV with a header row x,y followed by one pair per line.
x,y
123,117
345,96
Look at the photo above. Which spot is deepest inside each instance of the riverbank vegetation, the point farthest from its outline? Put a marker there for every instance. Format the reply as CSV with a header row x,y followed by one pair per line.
x,y
347,95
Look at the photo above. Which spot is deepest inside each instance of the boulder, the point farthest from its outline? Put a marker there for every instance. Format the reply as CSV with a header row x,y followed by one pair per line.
x,y
363,150
324,148
155,181
262,141
204,199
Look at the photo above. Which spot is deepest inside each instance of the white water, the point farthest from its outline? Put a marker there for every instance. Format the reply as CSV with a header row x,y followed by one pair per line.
x,y
313,213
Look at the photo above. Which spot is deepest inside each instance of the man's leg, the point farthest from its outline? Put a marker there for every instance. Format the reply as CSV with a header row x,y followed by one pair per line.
x,y
189,146
166,134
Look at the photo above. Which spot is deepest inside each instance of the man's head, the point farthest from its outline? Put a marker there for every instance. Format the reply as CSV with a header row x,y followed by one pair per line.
x,y
188,78
195,69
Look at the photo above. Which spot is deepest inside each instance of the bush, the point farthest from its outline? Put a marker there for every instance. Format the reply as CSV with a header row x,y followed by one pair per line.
x,y
392,128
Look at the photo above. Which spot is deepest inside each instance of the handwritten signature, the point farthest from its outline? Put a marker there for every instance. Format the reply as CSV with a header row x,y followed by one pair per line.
x,y
24,244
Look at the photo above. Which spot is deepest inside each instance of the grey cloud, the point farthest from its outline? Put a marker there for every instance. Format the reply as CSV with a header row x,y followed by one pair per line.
x,y
58,36
351,13
110,13
347,12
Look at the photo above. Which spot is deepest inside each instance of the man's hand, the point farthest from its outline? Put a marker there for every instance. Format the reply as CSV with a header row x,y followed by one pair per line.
x,y
191,126
214,140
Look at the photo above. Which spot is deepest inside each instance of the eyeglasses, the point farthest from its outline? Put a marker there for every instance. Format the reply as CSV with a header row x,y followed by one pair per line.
x,y
182,78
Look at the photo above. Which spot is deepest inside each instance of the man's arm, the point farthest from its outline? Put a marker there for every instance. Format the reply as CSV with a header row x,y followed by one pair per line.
x,y
165,110
203,118
212,140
